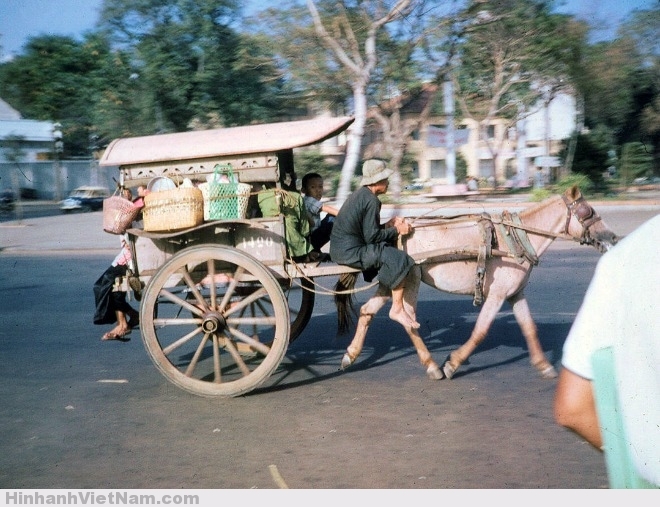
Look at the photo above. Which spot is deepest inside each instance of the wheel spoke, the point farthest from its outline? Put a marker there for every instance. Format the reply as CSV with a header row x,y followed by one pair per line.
x,y
181,341
264,349
258,321
256,295
176,322
231,348
193,289
181,302
216,360
232,287
198,352
215,320
210,266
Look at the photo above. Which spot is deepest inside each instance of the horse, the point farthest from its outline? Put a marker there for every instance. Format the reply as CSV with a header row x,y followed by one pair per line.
x,y
487,257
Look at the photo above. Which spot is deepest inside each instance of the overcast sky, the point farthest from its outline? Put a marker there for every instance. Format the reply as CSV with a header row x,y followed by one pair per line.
x,y
20,19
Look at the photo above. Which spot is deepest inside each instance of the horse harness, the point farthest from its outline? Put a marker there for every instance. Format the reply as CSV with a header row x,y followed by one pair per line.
x,y
514,234
511,229
584,213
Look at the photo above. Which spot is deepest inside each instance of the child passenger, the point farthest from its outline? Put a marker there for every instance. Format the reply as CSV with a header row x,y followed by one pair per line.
x,y
312,188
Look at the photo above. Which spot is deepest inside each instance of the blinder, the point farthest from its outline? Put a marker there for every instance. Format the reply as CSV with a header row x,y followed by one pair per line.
x,y
584,213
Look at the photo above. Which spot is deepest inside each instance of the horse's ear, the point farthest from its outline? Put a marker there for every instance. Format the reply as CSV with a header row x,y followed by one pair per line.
x,y
573,192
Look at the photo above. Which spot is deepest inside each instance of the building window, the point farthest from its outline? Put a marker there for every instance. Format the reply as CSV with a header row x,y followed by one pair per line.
x,y
438,169
491,131
486,167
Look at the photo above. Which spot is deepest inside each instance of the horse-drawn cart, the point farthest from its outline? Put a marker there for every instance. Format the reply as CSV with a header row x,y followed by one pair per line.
x,y
220,301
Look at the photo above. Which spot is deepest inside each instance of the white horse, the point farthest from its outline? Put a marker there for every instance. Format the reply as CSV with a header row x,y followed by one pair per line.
x,y
487,257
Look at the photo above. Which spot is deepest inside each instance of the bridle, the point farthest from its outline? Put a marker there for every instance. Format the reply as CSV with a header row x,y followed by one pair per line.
x,y
584,213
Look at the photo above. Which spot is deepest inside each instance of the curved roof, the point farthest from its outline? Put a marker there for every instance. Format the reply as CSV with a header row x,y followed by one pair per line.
x,y
264,138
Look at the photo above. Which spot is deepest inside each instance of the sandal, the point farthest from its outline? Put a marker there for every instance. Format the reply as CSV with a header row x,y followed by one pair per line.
x,y
116,336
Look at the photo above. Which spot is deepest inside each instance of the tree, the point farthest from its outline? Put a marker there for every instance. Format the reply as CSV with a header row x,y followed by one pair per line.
x,y
351,42
591,155
55,79
519,54
635,162
188,67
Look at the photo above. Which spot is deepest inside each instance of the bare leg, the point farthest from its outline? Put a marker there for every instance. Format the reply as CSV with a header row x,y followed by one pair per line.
x,y
398,311
120,330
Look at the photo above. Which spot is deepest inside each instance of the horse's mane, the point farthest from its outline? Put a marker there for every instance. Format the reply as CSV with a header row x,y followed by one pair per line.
x,y
539,206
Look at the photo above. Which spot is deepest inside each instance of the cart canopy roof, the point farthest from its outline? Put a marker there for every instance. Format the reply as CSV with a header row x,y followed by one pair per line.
x,y
265,138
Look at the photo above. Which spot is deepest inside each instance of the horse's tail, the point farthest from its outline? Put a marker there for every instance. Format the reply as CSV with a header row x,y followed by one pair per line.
x,y
345,301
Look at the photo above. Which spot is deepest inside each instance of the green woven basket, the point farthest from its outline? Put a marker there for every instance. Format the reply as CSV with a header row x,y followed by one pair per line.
x,y
224,197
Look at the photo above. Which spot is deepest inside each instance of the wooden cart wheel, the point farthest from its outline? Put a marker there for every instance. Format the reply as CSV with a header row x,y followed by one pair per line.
x,y
215,321
301,305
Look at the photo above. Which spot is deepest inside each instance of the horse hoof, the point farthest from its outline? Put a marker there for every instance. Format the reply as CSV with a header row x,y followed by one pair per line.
x,y
448,370
546,370
434,373
346,361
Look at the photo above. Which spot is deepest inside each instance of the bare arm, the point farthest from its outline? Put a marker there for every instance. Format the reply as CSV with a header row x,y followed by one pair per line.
x,y
575,407
330,210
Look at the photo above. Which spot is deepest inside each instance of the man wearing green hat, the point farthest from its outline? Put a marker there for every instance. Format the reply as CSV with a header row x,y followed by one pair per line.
x,y
360,241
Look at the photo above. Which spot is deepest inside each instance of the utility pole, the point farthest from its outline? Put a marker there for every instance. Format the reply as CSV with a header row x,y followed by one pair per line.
x,y
450,159
58,148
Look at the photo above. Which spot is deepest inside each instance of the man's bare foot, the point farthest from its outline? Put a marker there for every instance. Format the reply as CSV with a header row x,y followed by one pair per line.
x,y
402,317
117,333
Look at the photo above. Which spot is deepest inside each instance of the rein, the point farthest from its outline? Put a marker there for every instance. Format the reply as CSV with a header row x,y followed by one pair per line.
x,y
584,213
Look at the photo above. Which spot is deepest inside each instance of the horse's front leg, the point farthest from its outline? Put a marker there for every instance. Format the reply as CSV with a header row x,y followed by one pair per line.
x,y
486,316
367,313
529,330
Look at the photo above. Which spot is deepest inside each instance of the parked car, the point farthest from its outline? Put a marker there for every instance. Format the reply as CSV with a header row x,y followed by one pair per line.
x,y
85,199
7,201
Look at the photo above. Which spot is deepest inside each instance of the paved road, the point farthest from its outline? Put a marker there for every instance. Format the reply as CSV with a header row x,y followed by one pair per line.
x,y
80,413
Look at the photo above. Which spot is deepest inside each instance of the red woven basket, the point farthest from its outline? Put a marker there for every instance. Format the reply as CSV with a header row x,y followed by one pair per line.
x,y
118,214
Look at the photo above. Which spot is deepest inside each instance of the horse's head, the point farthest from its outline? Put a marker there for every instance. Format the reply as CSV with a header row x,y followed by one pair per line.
x,y
584,224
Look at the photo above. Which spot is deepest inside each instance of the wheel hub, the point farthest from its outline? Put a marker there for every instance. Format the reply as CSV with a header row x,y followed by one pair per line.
x,y
213,322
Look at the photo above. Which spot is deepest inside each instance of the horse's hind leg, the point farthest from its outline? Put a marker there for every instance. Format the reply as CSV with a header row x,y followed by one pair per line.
x,y
529,330
367,313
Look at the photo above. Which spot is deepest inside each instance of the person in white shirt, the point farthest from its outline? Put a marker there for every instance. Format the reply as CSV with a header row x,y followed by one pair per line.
x,y
621,309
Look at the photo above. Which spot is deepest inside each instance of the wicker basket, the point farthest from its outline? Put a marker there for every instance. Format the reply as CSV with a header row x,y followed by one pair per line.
x,y
171,210
225,200
118,214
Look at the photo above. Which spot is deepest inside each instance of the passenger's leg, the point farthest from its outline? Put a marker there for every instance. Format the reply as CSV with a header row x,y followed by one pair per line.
x,y
398,311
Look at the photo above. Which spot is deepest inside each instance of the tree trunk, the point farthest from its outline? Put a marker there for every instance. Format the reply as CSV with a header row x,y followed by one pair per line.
x,y
354,147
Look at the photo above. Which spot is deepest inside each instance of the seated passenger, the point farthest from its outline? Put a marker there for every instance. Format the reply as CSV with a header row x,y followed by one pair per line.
x,y
312,188
360,241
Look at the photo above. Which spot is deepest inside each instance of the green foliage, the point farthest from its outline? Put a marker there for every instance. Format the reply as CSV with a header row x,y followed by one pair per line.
x,y
461,167
636,162
192,68
540,194
152,66
581,181
513,45
591,156
309,161
57,79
